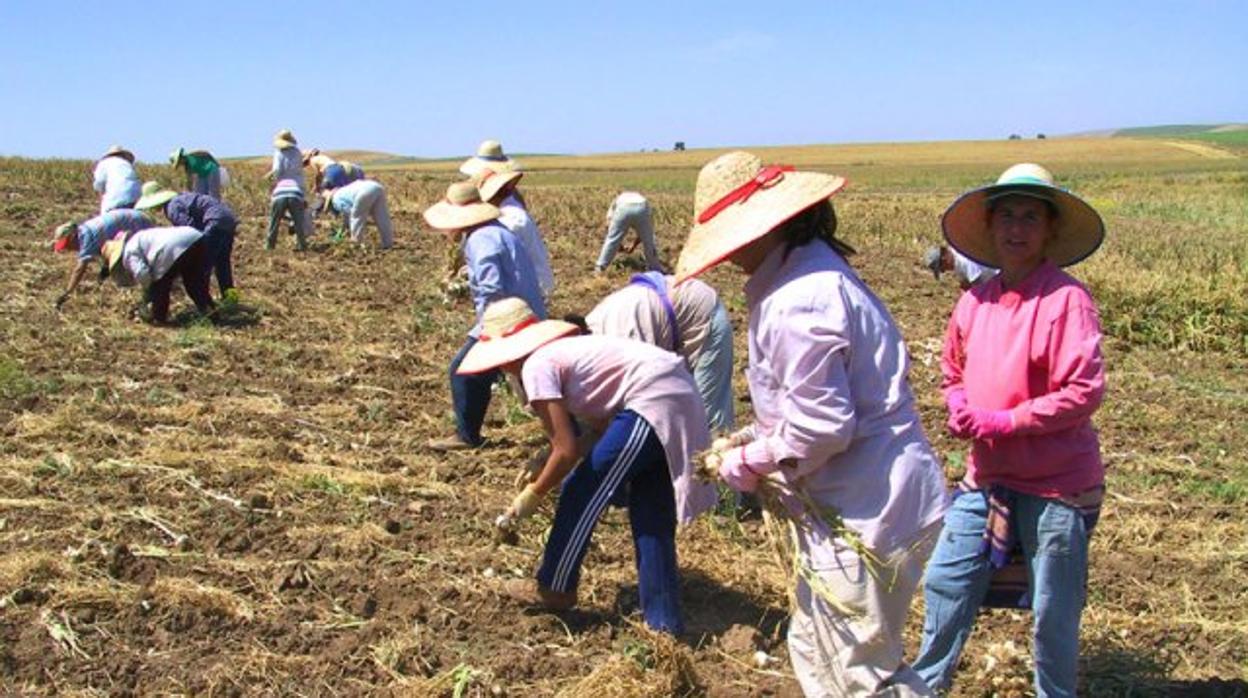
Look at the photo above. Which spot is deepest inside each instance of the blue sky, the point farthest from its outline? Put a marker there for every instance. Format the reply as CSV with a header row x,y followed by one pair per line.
x,y
435,78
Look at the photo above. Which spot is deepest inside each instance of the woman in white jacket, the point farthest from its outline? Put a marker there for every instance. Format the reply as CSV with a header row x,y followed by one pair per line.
x,y
154,257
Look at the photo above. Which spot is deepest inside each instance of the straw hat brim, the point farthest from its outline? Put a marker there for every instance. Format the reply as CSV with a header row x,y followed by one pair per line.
x,y
159,198
119,152
447,216
492,353
744,222
492,185
476,163
1079,230
284,143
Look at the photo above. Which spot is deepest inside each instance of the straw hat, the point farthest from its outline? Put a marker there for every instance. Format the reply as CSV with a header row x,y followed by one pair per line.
x,y
284,139
118,151
489,182
153,196
62,235
111,252
462,208
309,154
1078,229
175,158
489,154
738,201
509,331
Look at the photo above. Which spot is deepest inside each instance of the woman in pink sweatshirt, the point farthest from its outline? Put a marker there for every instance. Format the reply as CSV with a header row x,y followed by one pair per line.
x,y
1022,376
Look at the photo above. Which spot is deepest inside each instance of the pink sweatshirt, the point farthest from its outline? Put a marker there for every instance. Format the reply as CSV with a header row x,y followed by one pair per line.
x,y
1034,349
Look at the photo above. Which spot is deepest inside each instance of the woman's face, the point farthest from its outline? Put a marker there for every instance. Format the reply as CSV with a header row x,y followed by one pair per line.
x,y
1021,228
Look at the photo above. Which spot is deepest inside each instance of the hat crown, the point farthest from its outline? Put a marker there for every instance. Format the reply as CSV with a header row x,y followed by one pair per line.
x,y
722,175
1026,173
502,317
463,194
150,188
490,149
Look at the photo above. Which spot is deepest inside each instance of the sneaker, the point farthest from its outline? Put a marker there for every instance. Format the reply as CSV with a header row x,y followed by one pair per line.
x,y
530,593
449,443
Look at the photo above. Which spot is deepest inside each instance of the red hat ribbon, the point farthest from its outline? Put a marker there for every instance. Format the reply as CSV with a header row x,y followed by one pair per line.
x,y
530,320
767,177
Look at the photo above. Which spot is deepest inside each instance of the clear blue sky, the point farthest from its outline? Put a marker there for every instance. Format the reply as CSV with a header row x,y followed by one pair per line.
x,y
435,78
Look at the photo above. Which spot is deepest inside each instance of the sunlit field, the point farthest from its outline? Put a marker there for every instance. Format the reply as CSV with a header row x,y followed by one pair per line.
x,y
249,509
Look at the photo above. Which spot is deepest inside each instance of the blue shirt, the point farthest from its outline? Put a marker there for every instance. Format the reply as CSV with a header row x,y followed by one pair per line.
x,y
499,267
93,233
115,179
199,211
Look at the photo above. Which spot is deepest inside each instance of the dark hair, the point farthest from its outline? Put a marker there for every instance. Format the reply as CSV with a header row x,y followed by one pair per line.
x,y
992,203
815,223
579,321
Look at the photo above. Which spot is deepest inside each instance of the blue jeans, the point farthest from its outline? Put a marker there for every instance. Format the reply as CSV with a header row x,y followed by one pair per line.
x,y
470,397
220,240
1055,547
628,454
713,373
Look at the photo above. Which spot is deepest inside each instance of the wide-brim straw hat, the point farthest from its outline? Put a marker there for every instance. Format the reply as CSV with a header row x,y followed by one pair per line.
x,y
461,208
285,139
489,181
175,158
62,235
509,331
738,201
1077,231
118,151
489,154
153,196
111,252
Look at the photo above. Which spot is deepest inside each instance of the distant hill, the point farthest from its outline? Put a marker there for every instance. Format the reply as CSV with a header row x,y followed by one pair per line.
x,y
1220,134
366,158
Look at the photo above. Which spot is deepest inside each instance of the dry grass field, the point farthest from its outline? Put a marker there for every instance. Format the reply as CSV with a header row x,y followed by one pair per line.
x,y
248,509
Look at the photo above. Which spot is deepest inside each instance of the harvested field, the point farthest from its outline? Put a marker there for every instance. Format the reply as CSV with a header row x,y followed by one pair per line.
x,y
250,510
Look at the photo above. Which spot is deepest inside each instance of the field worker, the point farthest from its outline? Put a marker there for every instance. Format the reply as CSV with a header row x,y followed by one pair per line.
x,y
942,258
286,199
498,267
646,406
688,320
86,238
359,201
835,420
499,188
629,211
154,258
210,216
203,172
330,173
1023,374
489,154
115,180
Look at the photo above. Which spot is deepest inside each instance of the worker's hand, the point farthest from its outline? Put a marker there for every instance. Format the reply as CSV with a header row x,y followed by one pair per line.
x,y
60,300
988,424
533,468
525,503
736,472
959,421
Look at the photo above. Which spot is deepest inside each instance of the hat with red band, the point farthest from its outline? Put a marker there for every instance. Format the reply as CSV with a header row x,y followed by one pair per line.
x,y
489,182
62,237
739,200
510,330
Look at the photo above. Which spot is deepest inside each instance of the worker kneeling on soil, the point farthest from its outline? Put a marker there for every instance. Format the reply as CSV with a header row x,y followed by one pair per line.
x,y
359,201
646,405
210,216
87,237
153,258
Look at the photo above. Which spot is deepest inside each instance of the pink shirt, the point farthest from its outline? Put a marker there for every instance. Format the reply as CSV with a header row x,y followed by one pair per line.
x,y
598,376
829,386
1034,349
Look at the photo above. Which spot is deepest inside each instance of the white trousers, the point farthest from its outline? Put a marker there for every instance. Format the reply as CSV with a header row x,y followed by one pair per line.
x,y
860,655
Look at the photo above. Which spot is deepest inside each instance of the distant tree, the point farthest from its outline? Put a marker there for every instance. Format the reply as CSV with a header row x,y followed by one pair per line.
x,y
1039,136
1015,137
680,145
